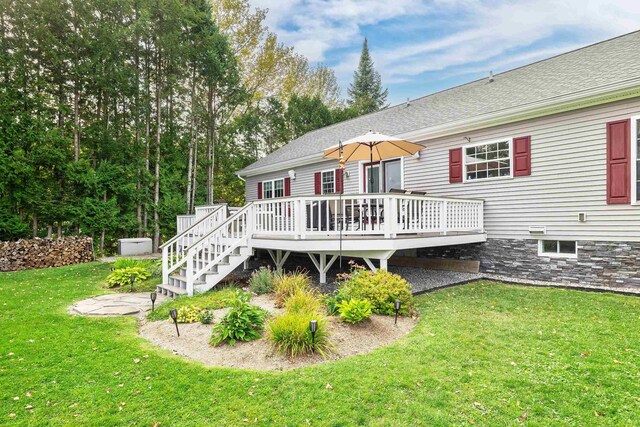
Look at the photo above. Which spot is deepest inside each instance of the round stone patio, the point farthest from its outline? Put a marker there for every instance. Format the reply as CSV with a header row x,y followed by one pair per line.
x,y
124,304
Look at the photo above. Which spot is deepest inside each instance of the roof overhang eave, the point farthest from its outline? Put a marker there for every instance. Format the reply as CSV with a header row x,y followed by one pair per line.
x,y
625,89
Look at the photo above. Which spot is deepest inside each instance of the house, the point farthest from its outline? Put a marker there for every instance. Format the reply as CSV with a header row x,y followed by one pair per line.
x,y
533,171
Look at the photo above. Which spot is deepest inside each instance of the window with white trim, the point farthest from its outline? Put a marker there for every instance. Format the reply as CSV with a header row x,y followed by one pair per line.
x,y
329,182
558,248
273,188
635,160
487,160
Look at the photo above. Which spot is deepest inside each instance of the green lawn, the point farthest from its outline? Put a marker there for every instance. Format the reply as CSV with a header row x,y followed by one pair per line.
x,y
484,354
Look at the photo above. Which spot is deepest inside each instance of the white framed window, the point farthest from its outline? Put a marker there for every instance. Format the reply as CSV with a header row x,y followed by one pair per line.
x,y
273,188
328,181
558,248
635,160
487,160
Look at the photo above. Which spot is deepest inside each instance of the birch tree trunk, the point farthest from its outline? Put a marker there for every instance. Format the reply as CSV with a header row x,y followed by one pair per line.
x,y
156,188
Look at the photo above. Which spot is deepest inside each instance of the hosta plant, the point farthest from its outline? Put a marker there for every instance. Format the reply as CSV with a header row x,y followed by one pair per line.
x,y
354,310
243,322
122,276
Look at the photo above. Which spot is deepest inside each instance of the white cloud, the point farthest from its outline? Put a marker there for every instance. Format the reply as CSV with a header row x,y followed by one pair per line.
x,y
460,36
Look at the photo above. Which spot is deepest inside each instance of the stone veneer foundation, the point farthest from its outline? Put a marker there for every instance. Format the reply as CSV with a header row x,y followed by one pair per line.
x,y
610,264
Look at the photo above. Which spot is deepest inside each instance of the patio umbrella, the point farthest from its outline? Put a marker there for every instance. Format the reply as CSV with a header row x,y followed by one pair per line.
x,y
372,146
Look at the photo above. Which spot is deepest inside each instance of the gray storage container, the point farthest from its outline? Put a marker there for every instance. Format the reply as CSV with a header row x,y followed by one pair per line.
x,y
135,246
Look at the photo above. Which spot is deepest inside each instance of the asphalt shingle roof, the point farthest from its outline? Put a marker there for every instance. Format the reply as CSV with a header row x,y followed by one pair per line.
x,y
603,63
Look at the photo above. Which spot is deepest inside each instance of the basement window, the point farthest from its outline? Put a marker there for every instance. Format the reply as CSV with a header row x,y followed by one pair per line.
x,y
558,248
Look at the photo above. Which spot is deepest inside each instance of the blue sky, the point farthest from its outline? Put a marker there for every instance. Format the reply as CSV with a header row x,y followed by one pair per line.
x,y
420,47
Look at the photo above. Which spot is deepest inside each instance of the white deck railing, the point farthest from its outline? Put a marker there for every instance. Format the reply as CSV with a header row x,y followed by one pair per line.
x,y
366,214
183,222
174,250
207,241
220,242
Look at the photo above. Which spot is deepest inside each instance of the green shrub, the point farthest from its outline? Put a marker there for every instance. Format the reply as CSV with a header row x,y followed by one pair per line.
x,y
243,322
286,285
354,310
261,281
206,316
290,334
381,289
303,300
188,314
333,300
122,276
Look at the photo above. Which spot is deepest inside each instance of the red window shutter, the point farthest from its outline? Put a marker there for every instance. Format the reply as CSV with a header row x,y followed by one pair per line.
x,y
455,165
287,187
260,190
317,183
339,180
522,156
618,162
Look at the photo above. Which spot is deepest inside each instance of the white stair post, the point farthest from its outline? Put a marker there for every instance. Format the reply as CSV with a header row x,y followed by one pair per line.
x,y
165,265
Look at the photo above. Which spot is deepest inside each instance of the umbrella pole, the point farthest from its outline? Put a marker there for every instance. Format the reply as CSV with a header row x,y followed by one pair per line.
x,y
370,168
341,209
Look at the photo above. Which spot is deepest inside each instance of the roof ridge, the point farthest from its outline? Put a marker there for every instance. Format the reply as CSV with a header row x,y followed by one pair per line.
x,y
421,111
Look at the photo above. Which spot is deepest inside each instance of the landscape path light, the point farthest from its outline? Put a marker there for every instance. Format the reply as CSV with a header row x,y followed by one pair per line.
x,y
313,326
174,315
153,297
396,305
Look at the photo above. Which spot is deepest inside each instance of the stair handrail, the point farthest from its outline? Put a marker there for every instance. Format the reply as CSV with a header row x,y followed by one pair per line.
x,y
173,254
191,227
218,233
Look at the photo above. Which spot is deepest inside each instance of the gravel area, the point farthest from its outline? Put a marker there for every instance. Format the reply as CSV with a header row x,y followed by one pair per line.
x,y
421,279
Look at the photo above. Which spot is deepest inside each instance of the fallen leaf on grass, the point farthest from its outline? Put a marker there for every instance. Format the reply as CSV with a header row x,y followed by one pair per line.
x,y
524,416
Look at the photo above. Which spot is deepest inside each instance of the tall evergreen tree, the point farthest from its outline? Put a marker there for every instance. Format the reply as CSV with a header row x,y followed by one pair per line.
x,y
365,92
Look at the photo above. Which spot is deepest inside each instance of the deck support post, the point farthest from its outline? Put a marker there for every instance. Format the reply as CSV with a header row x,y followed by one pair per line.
x,y
383,264
279,258
370,264
323,265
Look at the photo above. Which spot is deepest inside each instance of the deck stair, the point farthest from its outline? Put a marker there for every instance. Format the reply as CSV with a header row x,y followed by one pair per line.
x,y
197,265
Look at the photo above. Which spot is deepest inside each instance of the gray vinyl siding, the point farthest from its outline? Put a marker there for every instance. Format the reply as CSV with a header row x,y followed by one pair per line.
x,y
303,185
568,176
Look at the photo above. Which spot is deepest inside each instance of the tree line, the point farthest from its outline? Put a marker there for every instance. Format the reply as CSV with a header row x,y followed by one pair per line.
x,y
118,115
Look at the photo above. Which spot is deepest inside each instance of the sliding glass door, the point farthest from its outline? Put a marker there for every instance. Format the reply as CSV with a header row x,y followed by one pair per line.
x,y
385,177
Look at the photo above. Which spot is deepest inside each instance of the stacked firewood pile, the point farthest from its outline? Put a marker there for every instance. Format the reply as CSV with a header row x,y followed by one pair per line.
x,y
42,253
